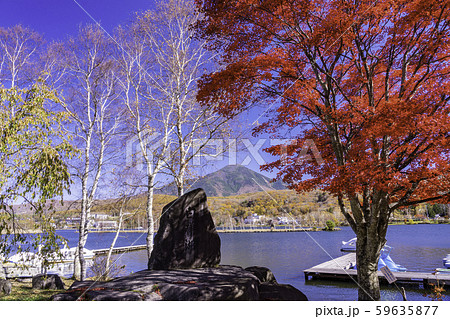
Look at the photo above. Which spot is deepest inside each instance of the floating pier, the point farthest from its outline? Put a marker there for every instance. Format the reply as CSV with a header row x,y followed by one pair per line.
x,y
340,269
117,250
264,230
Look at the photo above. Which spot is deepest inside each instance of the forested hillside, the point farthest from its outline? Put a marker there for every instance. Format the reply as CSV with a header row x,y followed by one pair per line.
x,y
310,209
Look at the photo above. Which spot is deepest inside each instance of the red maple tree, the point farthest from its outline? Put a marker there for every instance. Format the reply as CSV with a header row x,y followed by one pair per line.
x,y
366,81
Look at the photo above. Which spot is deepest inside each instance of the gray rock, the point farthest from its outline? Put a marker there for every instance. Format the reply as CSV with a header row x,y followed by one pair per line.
x,y
262,273
280,292
113,295
187,237
47,282
65,296
25,279
99,291
152,296
220,283
5,286
200,284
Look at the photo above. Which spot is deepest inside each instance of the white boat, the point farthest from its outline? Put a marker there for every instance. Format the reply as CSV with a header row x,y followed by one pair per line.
x,y
446,261
61,263
349,245
65,255
385,259
26,258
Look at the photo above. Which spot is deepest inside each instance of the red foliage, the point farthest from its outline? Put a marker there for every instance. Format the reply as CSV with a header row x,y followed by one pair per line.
x,y
367,81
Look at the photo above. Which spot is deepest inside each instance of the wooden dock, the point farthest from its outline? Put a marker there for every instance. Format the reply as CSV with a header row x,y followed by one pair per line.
x,y
265,230
340,269
117,250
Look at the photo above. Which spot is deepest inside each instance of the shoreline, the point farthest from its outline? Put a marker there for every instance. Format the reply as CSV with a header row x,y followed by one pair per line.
x,y
246,230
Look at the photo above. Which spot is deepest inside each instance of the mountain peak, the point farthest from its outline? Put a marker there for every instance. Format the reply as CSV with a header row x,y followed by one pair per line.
x,y
234,180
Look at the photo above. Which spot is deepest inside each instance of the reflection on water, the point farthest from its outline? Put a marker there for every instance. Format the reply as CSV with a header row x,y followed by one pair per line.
x,y
416,247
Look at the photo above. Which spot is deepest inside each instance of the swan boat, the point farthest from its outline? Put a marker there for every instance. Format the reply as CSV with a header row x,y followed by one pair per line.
x,y
349,245
61,263
385,259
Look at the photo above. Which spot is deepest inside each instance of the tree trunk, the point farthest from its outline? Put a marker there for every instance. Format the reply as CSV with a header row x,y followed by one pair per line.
x,y
108,257
367,256
76,266
150,221
80,268
180,184
79,262
369,220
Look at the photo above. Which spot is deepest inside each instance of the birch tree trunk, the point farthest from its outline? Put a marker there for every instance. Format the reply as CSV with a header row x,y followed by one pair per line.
x,y
150,220
86,72
108,257
149,118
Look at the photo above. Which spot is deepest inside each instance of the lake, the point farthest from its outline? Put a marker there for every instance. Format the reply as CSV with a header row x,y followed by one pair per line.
x,y
287,254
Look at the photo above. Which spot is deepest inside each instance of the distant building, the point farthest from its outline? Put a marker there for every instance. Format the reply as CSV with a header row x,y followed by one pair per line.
x,y
100,216
254,219
283,220
96,221
106,225
73,221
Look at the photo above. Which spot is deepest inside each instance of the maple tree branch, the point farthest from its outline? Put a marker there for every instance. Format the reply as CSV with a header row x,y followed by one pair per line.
x,y
420,201
347,215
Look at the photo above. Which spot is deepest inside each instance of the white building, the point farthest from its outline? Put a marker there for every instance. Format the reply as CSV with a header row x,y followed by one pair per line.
x,y
254,219
106,225
100,216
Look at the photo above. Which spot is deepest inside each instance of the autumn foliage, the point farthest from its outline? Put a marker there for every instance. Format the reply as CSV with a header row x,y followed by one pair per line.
x,y
366,81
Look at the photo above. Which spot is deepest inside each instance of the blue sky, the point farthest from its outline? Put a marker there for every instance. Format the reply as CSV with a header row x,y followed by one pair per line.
x,y
55,19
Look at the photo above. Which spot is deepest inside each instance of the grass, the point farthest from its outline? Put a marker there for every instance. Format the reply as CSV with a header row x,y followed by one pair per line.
x,y
22,291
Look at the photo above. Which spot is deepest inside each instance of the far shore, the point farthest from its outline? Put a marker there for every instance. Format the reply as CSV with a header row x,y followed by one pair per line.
x,y
239,229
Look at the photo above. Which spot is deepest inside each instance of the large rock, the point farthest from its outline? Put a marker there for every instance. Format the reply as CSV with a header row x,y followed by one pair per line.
x,y
47,282
186,237
5,286
264,274
200,284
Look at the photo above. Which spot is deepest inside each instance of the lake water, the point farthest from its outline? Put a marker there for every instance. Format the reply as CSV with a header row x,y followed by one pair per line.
x,y
416,247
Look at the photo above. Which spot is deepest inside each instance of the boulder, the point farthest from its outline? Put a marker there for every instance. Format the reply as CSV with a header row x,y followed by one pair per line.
x,y
47,282
219,283
65,296
187,237
5,286
280,292
262,273
113,295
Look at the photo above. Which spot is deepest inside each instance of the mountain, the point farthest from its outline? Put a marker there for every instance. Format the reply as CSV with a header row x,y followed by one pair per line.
x,y
230,180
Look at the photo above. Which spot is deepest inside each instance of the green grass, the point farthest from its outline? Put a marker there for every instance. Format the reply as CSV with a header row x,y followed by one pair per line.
x,y
22,291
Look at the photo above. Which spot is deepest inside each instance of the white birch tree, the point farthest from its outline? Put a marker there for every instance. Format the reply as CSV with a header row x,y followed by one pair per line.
x,y
148,118
19,57
88,77
180,61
